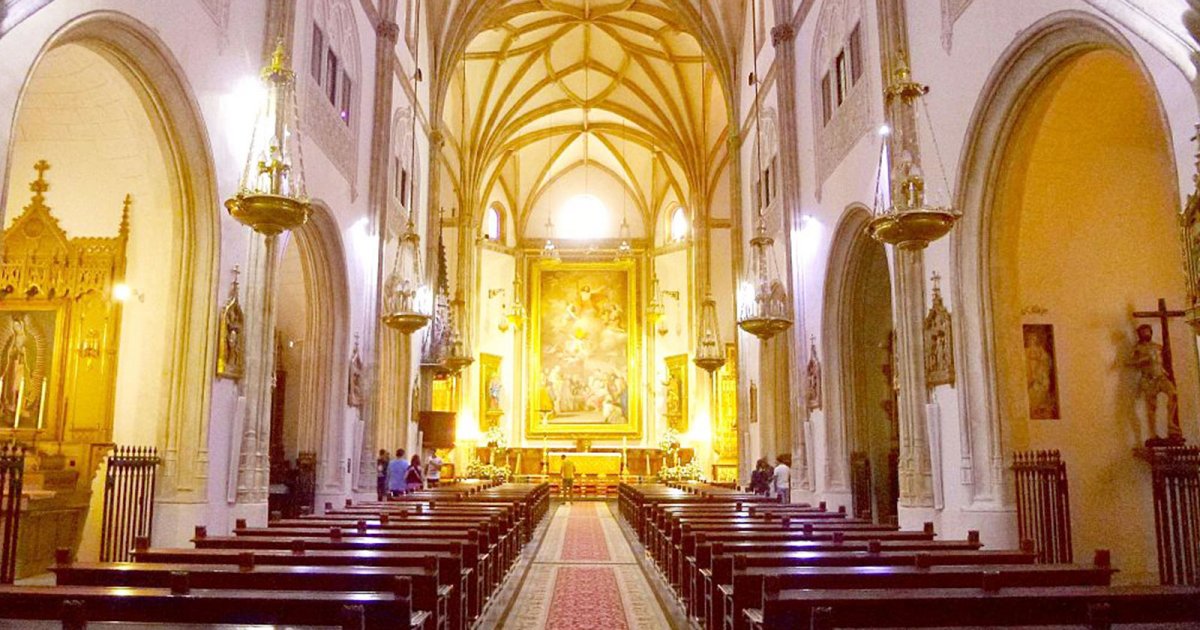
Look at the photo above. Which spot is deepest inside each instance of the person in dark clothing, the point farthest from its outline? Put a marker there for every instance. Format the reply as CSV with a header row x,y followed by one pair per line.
x,y
760,478
381,467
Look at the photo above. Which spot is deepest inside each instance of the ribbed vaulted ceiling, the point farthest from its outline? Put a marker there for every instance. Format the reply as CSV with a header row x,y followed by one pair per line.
x,y
609,95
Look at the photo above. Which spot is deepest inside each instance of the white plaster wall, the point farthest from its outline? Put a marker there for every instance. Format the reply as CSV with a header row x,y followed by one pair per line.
x,y
957,76
219,63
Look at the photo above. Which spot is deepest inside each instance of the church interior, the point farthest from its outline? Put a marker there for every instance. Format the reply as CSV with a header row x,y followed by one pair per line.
x,y
720,314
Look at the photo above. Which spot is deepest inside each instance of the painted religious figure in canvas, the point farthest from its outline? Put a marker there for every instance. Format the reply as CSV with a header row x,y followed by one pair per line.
x,y
584,354
1041,372
26,349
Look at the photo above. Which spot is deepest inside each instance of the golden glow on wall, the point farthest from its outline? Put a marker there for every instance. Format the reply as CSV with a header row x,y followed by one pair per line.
x,y
1084,232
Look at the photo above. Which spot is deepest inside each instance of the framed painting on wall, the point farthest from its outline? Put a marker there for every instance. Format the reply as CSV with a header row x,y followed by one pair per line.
x,y
1041,371
30,341
491,389
584,353
677,392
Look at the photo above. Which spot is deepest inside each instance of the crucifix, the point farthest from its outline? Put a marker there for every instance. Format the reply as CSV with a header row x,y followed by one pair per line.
x,y
1164,315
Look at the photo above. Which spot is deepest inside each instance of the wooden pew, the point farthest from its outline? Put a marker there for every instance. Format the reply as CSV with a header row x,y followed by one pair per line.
x,y
723,566
459,561
75,606
749,586
1091,606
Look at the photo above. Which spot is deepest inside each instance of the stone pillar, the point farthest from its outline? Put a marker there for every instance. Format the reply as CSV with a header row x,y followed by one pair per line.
x,y
254,465
916,478
783,38
382,427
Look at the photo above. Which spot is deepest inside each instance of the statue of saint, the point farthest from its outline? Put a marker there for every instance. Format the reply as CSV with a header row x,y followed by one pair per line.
x,y
1148,359
354,392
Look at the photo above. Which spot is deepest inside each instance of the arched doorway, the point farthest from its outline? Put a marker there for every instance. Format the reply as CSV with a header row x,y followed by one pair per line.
x,y
863,434
104,104
1082,232
309,426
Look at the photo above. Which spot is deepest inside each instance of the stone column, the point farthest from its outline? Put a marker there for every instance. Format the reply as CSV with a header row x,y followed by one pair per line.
x,y
376,340
783,38
254,465
916,477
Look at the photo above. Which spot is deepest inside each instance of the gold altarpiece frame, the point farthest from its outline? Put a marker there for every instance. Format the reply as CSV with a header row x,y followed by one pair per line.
x,y
585,353
56,293
725,434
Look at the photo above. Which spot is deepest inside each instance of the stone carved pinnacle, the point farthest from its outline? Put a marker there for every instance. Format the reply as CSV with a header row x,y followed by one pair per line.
x,y
40,185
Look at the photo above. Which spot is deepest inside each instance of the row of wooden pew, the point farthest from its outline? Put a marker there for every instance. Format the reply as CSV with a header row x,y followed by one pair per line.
x,y
428,560
737,561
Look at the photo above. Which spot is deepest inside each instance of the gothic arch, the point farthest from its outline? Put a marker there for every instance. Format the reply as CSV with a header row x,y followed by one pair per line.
x,y
1018,74
850,246
322,379
151,69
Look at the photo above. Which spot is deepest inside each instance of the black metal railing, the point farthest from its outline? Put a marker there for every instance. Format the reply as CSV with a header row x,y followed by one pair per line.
x,y
128,500
12,481
1176,473
1043,504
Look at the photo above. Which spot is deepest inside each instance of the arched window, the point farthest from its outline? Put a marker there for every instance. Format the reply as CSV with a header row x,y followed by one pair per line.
x,y
678,228
584,217
334,55
402,175
493,223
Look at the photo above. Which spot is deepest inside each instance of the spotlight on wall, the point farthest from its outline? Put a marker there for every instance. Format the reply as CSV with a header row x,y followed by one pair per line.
x,y
122,293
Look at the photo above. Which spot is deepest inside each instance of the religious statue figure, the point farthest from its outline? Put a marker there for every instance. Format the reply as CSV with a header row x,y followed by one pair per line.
x,y
939,350
1154,380
231,346
812,378
354,390
494,391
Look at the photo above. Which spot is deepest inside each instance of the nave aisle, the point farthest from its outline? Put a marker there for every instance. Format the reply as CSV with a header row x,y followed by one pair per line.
x,y
584,576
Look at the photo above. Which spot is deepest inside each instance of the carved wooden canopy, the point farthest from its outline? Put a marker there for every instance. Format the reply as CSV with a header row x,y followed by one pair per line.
x,y
41,262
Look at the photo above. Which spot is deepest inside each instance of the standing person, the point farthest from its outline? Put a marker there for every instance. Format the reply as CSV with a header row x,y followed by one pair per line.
x,y
760,478
381,472
568,477
783,479
396,472
414,479
433,470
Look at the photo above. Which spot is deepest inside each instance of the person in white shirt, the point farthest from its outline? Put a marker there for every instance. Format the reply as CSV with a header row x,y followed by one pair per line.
x,y
433,470
782,481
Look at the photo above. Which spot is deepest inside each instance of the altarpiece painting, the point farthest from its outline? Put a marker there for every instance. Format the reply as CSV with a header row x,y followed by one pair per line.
x,y
584,358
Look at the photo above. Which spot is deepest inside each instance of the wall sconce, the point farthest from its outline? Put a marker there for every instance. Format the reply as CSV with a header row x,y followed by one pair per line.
x,y
662,322
122,293
493,294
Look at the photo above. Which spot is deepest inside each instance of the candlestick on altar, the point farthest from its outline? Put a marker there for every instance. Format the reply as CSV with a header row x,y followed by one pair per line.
x,y
42,406
20,401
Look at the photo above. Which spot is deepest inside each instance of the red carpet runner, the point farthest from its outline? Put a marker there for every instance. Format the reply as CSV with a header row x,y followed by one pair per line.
x,y
585,539
584,577
586,597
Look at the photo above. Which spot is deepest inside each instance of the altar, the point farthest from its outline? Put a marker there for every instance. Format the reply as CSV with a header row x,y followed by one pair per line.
x,y
587,463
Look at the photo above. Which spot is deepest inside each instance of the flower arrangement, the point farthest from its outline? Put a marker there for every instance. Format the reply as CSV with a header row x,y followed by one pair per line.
x,y
495,437
669,442
686,472
479,470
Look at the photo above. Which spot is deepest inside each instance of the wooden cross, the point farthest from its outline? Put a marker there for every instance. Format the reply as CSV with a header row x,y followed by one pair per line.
x,y
1163,315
